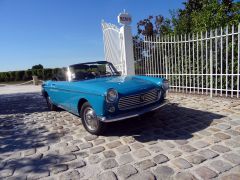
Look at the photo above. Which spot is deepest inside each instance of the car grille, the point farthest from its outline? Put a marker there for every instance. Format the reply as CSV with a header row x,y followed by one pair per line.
x,y
138,100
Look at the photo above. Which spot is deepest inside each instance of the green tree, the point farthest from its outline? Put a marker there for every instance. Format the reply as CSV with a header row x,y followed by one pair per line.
x,y
154,25
202,15
39,66
195,16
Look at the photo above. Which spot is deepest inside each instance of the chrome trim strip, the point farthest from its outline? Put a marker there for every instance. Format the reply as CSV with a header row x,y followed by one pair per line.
x,y
74,91
133,113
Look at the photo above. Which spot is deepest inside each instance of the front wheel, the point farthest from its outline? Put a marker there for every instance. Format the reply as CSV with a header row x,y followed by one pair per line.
x,y
90,121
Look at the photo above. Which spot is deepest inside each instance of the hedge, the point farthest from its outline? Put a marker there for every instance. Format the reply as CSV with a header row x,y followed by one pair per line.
x,y
43,74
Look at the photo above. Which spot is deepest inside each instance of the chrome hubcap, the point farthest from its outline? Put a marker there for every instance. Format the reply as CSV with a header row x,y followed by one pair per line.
x,y
90,119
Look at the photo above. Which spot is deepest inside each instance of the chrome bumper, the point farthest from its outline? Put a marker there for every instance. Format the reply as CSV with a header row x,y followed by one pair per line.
x,y
133,113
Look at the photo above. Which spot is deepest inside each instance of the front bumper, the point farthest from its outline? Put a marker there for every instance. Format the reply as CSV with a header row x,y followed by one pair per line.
x,y
133,113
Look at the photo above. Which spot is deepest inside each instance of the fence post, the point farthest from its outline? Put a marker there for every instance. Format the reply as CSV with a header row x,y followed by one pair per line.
x,y
211,66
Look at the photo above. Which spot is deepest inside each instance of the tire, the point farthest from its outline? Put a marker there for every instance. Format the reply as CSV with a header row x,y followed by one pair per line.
x,y
90,121
50,105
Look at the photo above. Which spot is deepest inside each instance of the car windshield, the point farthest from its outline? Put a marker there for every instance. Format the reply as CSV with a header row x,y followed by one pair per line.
x,y
85,71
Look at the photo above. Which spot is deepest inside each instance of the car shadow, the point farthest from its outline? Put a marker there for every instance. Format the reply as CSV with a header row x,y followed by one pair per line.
x,y
172,122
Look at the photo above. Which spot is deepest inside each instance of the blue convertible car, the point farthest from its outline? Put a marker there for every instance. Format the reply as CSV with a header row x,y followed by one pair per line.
x,y
98,93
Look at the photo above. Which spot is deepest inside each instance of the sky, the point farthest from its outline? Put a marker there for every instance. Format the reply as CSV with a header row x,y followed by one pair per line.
x,y
57,33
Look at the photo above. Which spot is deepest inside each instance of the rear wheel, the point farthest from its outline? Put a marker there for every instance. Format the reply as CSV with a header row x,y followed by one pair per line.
x,y
90,121
50,105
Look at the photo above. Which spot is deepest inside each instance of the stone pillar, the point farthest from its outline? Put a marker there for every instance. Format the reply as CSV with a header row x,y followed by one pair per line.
x,y
35,80
127,43
127,50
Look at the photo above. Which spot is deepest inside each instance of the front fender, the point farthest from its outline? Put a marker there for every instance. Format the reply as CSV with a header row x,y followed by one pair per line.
x,y
96,101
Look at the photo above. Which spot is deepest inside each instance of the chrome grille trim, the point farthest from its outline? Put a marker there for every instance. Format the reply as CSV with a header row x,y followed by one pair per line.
x,y
134,101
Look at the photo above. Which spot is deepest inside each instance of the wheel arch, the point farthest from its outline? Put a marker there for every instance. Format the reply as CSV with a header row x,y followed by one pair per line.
x,y
45,94
80,104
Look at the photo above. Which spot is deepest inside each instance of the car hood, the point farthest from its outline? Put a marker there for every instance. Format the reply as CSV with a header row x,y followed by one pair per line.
x,y
123,84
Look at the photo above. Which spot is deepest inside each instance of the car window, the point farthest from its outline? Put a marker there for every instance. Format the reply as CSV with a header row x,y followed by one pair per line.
x,y
90,71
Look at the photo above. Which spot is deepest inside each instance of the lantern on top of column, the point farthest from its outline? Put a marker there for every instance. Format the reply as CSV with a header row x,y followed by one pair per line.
x,y
124,18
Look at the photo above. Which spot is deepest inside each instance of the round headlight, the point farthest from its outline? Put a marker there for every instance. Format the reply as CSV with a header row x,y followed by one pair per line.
x,y
112,95
165,85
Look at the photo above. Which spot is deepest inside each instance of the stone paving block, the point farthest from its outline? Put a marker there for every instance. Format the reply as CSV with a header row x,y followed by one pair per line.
x,y
142,176
208,154
200,144
206,173
108,175
73,148
232,132
123,149
78,163
169,144
231,177
232,143
141,153
188,148
38,174
223,126
145,164
220,166
155,148
181,141
181,163
164,172
112,138
161,158
109,154
113,144
98,141
58,168
90,137
85,145
175,153
195,159
82,154
43,149
137,145
71,175
109,164
97,149
94,159
126,171
232,157
222,136
185,176
6,172
66,158
220,148
29,152
125,159
128,139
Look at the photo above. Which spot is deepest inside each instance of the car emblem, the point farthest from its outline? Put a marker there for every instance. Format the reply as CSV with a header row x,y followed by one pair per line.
x,y
142,98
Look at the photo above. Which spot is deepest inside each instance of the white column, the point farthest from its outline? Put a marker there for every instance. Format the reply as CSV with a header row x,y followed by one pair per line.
x,y
127,50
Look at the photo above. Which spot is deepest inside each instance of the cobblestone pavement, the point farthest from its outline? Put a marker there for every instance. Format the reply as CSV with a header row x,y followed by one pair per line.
x,y
193,137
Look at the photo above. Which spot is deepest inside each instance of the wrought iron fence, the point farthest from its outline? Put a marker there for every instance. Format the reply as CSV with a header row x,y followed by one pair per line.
x,y
202,63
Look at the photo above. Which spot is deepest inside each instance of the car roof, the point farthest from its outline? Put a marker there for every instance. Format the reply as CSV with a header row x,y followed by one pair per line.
x,y
87,63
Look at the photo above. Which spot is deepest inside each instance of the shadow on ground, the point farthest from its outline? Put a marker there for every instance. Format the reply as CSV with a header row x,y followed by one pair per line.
x,y
22,103
172,122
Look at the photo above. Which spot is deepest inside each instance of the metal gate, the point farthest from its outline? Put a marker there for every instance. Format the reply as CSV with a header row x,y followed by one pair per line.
x,y
202,63
113,46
